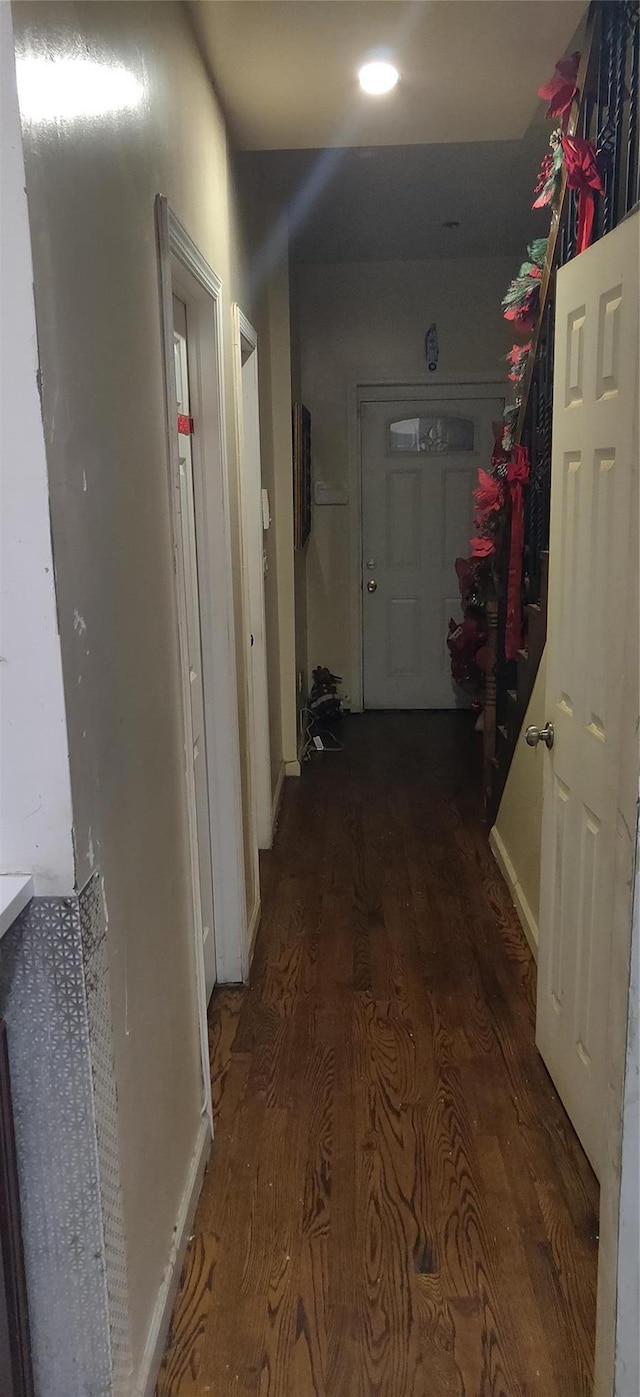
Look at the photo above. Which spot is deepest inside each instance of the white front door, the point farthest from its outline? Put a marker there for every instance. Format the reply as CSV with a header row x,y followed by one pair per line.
x,y
199,815
419,464
591,608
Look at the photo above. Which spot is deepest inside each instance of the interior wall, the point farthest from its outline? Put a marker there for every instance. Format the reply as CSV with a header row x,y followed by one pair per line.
x,y
35,791
517,835
92,179
367,322
300,556
268,281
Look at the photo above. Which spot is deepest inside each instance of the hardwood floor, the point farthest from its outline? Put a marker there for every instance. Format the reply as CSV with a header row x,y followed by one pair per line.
x,y
396,1204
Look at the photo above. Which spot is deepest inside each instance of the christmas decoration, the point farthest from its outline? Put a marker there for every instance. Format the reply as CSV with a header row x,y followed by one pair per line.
x,y
550,176
517,478
584,176
562,90
471,657
520,303
508,431
499,495
517,358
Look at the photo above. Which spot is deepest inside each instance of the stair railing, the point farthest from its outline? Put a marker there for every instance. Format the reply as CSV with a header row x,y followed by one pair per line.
x,y
604,111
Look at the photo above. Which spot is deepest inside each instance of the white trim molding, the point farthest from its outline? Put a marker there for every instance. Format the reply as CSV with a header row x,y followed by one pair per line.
x,y
527,919
247,437
277,797
184,272
161,1317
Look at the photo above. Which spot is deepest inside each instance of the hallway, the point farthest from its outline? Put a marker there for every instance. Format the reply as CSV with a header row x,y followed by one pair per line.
x,y
396,1203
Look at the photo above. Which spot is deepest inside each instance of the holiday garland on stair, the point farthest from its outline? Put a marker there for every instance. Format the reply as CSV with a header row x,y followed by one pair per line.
x,y
500,493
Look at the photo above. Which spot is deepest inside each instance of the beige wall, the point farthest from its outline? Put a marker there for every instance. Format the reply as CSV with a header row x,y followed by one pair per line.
x,y
35,790
91,187
363,322
518,825
268,275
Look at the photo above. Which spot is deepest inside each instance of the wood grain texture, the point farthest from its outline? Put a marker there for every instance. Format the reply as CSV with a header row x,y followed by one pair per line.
x,y
396,1204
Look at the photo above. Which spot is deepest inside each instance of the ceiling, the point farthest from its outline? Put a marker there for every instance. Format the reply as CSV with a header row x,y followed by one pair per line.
x,y
285,70
391,202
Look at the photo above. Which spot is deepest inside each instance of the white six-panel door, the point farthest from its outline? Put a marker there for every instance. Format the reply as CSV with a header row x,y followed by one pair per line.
x,y
419,468
594,456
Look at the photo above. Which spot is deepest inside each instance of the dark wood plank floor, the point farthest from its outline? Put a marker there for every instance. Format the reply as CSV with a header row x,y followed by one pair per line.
x,y
396,1204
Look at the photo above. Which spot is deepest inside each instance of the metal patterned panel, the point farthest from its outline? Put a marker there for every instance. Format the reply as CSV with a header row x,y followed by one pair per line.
x,y
43,1000
93,928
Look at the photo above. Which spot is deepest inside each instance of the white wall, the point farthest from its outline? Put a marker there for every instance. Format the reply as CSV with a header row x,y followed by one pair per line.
x,y
363,322
35,793
91,183
268,277
517,835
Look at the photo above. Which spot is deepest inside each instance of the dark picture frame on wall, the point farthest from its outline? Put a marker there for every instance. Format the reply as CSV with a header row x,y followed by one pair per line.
x,y
301,475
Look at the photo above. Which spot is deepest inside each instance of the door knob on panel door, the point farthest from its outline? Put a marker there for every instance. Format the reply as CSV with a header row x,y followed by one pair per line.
x,y
372,586
534,735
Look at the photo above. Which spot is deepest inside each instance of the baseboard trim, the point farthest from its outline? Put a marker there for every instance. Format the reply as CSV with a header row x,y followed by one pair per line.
x,y
277,797
161,1317
254,923
292,768
527,919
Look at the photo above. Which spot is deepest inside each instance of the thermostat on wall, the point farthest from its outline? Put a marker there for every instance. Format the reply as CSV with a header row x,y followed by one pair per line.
x,y
326,493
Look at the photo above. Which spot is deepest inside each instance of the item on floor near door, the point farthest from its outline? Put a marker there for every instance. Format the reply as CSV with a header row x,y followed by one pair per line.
x,y
301,475
324,712
431,348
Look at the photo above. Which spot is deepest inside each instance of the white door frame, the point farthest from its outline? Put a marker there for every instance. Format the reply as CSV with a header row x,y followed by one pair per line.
x,y
184,273
379,390
245,373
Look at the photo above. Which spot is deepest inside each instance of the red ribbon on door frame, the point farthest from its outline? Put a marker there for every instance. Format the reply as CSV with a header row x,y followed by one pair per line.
x,y
517,478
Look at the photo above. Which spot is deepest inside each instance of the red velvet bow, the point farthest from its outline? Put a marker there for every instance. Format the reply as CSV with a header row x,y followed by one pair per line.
x,y
488,495
584,176
517,477
482,547
560,92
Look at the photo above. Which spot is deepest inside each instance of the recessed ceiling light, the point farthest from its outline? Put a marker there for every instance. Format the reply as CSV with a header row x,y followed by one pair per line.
x,y
378,78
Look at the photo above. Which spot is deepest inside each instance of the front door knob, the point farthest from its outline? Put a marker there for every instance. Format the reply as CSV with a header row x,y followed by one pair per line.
x,y
372,586
534,735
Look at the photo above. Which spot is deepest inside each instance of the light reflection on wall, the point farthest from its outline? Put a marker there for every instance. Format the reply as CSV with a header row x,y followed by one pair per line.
x,y
64,89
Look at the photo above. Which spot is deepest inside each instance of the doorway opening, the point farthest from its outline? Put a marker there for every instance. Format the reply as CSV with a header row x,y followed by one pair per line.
x,y
191,325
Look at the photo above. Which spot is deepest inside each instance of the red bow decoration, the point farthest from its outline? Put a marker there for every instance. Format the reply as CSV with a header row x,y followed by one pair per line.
x,y
560,92
584,176
517,477
488,496
482,547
